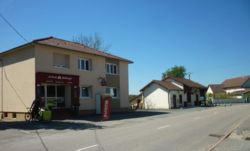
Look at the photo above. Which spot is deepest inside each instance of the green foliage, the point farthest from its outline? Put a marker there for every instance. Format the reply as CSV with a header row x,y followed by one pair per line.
x,y
209,102
247,95
223,96
209,98
176,71
49,106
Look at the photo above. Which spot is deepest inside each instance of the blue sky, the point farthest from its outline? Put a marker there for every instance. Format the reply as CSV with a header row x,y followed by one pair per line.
x,y
211,38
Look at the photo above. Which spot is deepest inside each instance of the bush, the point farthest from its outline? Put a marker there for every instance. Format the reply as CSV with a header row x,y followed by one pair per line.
x,y
209,102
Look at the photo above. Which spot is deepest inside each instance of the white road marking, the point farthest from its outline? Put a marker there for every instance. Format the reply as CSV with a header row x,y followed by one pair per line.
x,y
162,127
26,132
87,147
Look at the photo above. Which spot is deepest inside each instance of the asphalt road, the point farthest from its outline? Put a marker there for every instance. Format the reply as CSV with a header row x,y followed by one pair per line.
x,y
186,130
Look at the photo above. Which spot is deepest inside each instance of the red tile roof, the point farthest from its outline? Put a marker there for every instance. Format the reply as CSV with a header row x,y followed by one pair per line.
x,y
186,82
235,82
56,42
217,88
60,43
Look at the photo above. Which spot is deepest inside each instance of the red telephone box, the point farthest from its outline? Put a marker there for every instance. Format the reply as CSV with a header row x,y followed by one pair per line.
x,y
105,107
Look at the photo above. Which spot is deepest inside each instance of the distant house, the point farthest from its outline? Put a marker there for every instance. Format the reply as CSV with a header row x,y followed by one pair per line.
x,y
235,87
136,102
215,88
172,92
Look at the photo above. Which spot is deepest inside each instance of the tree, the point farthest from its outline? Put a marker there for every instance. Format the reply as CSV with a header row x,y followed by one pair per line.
x,y
91,41
176,71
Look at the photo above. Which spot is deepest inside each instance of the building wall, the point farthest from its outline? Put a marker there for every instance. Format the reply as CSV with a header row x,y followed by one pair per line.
x,y
156,97
1,87
209,91
114,81
234,90
124,87
44,63
18,80
177,94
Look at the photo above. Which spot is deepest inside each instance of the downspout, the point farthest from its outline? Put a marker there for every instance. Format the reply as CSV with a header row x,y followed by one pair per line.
x,y
1,87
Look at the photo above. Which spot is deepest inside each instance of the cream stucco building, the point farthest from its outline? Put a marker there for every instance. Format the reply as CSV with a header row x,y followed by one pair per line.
x,y
69,73
172,92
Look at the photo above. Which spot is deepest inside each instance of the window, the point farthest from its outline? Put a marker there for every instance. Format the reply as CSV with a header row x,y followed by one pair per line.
x,y
5,114
51,91
111,68
55,95
13,115
180,98
113,92
85,92
60,60
84,64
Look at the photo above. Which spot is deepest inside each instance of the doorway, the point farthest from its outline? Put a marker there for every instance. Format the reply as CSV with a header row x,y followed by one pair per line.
x,y
189,97
174,101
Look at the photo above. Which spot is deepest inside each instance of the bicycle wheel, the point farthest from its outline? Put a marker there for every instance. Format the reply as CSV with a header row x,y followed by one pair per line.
x,y
28,116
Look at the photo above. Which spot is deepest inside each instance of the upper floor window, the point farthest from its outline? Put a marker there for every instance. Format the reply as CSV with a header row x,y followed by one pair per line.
x,y
84,64
111,68
60,60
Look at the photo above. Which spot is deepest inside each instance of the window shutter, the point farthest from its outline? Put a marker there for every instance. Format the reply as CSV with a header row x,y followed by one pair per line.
x,y
79,64
90,65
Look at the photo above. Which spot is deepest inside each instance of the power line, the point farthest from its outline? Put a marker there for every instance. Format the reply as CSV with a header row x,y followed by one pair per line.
x,y
13,28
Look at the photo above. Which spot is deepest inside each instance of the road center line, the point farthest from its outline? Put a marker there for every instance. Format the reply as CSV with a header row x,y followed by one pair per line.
x,y
87,147
162,127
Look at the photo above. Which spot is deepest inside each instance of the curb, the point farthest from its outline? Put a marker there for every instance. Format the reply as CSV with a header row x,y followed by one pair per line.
x,y
228,133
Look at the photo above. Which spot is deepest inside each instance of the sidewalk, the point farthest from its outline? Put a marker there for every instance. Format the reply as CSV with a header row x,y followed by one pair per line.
x,y
239,140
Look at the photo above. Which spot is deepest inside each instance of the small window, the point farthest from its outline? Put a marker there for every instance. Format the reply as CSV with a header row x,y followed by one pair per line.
x,y
85,92
5,114
13,115
111,68
60,60
84,64
113,92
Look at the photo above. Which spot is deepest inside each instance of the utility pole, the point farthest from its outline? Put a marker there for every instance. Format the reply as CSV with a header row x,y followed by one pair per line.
x,y
189,75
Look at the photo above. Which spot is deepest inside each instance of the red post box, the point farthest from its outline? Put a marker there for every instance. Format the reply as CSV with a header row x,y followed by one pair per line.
x,y
105,107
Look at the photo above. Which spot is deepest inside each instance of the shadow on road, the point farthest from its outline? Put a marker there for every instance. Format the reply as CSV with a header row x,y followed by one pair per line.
x,y
80,123
124,115
54,125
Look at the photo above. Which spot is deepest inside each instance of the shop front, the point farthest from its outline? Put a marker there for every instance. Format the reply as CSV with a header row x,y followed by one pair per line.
x,y
60,90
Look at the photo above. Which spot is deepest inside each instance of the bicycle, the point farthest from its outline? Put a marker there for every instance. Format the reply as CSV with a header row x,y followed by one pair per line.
x,y
34,112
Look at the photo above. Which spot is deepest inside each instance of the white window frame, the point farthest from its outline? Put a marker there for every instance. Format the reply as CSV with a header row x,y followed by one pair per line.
x,y
80,64
89,92
112,88
110,67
